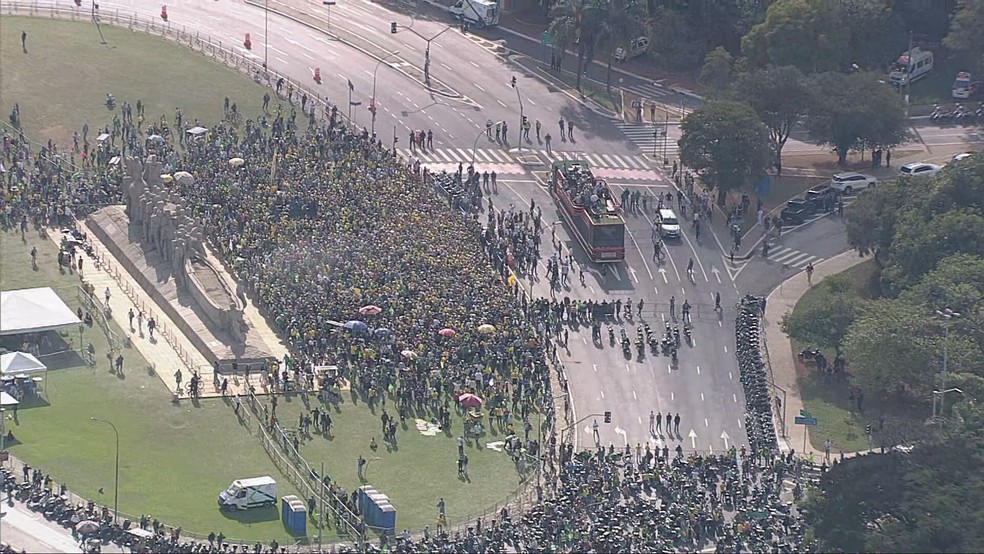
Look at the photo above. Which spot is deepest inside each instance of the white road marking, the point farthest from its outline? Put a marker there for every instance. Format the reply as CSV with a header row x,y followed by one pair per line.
x,y
530,100
705,423
446,66
480,88
602,393
501,103
735,397
634,397
739,423
473,63
628,367
640,419
698,370
595,366
281,60
725,349
307,56
730,376
701,397
671,396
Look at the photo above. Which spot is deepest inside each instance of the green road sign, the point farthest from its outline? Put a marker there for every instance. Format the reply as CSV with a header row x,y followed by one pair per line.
x,y
804,413
757,515
546,38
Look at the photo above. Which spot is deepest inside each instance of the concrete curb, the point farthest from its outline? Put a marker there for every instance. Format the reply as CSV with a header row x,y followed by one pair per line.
x,y
780,302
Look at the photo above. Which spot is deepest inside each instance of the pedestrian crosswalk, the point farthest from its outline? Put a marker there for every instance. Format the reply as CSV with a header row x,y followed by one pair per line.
x,y
653,145
606,161
487,157
791,258
647,90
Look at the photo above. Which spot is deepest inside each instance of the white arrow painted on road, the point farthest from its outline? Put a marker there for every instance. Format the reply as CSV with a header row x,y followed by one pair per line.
x,y
625,436
615,271
587,430
662,273
693,438
717,273
725,438
632,272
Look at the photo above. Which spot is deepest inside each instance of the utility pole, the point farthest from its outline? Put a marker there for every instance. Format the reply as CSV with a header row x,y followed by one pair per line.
x,y
427,51
266,34
908,86
947,314
321,509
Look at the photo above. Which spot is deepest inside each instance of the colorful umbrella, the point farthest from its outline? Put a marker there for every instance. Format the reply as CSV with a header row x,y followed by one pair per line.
x,y
236,162
355,325
86,527
486,329
447,332
370,310
410,354
469,400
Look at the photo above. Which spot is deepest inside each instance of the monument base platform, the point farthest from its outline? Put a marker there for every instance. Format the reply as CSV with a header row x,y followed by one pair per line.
x,y
154,275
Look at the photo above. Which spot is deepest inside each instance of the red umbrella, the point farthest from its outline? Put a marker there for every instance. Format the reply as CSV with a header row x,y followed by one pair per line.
x,y
469,400
370,310
447,332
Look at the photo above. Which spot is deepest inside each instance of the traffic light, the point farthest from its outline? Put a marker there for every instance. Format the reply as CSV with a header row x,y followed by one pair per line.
x,y
608,415
393,27
514,81
867,429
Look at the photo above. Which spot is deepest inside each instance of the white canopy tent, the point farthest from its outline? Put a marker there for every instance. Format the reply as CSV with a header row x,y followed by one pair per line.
x,y
20,363
7,400
34,311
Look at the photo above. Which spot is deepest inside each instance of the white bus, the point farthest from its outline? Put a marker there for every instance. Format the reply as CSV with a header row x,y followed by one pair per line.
x,y
911,66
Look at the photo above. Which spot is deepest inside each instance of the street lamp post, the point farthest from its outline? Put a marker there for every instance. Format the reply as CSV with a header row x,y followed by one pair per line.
x,y
427,51
266,34
475,146
947,315
329,3
116,486
522,119
372,102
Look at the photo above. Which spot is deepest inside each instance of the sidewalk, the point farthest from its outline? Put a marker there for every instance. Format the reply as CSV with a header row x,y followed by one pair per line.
x,y
169,351
781,301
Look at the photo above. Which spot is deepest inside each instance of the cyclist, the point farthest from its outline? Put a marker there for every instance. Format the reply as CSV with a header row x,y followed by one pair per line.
x,y
690,269
717,302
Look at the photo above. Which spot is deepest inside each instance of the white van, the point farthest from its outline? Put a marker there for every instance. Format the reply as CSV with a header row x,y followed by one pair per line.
x,y
911,66
244,494
636,47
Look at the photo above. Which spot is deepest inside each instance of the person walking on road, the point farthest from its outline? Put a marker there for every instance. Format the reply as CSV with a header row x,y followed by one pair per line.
x,y
570,130
561,125
652,422
594,430
659,423
676,423
546,140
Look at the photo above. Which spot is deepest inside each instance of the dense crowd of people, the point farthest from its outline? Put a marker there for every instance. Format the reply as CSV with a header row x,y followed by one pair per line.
x,y
350,253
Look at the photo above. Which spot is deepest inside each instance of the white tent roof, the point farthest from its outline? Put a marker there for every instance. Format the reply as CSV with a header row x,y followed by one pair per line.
x,y
7,400
17,363
33,311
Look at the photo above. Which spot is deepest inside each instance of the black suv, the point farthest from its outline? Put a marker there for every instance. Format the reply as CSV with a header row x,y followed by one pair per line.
x,y
796,211
822,198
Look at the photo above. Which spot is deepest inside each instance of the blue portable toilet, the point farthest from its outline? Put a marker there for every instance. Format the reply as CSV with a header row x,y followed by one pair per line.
x,y
293,512
387,518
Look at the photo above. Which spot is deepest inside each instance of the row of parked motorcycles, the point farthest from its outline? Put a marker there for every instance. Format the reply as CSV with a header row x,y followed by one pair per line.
x,y
84,519
667,346
463,196
758,402
958,114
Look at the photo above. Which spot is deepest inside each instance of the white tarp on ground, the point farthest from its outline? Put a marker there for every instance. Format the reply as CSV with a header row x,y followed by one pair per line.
x,y
18,363
33,311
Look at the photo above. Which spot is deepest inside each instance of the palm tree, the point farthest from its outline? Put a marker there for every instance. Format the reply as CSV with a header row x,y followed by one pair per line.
x,y
575,22
621,21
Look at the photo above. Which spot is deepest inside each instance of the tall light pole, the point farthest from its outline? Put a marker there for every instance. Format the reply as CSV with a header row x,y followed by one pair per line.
x,y
947,315
266,34
372,101
329,3
116,486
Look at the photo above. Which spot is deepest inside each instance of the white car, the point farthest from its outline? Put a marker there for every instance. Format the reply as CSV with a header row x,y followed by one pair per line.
x,y
962,156
850,182
919,169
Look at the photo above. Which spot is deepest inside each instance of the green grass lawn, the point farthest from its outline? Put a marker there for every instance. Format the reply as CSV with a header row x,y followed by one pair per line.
x,y
828,399
63,80
417,472
175,459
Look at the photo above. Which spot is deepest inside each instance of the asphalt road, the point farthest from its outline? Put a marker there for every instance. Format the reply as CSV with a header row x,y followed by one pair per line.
x,y
29,531
704,386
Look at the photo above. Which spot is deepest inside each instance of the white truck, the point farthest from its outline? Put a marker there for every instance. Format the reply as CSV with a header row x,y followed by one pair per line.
x,y
481,13
244,494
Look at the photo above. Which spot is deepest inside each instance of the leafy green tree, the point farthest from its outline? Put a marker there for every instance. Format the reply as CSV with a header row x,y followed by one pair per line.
x,y
622,21
890,345
726,143
576,22
824,324
801,33
922,240
848,111
876,34
717,72
957,282
780,96
966,34
674,43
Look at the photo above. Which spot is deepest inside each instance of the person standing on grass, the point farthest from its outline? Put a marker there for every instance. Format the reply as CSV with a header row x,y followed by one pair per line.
x,y
24,41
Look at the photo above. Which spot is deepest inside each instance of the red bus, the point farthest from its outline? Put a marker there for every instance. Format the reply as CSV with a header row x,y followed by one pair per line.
x,y
592,212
